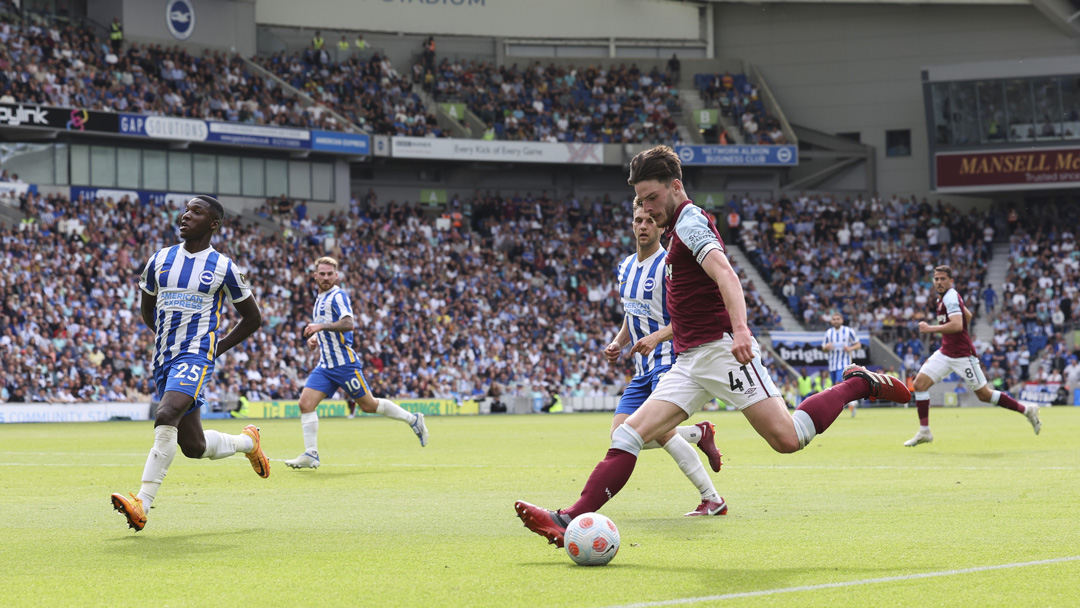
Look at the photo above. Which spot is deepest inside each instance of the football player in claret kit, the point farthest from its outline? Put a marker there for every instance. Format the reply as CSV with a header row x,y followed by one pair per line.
x,y
647,326
331,333
717,355
184,288
957,354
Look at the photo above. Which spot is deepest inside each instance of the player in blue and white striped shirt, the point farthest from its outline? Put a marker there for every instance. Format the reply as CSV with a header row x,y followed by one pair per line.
x,y
184,288
840,341
331,333
647,326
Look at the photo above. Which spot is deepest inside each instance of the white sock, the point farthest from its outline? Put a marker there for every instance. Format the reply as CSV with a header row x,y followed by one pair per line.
x,y
157,463
924,429
392,410
691,433
994,397
687,459
804,428
309,423
625,438
218,445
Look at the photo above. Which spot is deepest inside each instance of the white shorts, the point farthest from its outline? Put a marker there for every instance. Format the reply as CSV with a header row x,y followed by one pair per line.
x,y
710,370
938,366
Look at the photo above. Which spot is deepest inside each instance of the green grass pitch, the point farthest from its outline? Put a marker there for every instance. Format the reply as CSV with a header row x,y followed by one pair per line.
x,y
386,523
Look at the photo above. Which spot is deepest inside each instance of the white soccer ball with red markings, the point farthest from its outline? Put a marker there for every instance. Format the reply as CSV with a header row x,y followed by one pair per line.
x,y
591,540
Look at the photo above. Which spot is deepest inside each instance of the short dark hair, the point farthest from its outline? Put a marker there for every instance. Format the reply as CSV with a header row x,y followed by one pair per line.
x,y
945,269
219,211
659,163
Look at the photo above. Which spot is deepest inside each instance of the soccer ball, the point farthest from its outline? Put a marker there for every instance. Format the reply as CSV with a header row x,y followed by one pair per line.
x,y
591,540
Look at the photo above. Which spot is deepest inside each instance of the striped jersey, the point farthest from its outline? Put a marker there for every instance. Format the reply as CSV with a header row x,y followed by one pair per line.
x,y
839,337
191,289
335,347
641,287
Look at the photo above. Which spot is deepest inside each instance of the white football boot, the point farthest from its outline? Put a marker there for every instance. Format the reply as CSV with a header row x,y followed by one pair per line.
x,y
920,437
1032,412
307,460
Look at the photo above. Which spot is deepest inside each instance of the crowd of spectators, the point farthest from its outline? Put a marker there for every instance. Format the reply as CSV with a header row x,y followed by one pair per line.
x,y
870,259
366,90
620,104
1039,302
67,65
506,296
738,98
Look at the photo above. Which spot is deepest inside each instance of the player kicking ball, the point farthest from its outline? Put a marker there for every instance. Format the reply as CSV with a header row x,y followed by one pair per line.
x,y
717,355
957,354
331,333
183,290
647,325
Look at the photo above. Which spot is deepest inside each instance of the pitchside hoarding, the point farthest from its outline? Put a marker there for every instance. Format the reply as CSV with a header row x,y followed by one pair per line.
x,y
337,408
47,117
1002,170
504,151
72,412
739,156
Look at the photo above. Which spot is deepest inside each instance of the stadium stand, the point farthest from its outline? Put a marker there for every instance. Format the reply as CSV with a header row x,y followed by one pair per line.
x,y
620,104
821,254
738,98
516,296
1039,300
67,65
369,92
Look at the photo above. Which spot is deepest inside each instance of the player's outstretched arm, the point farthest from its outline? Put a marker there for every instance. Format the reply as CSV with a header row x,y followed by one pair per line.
x,y
648,344
341,326
147,306
718,268
250,322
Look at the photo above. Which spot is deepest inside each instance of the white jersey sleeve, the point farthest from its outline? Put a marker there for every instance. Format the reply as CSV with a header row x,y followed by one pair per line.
x,y
148,279
693,230
951,300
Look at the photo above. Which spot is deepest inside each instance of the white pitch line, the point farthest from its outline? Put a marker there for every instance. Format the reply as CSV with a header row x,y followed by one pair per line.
x,y
526,466
865,581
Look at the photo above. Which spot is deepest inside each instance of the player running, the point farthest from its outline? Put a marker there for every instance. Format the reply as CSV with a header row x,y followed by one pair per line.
x,y
184,288
331,334
957,354
839,342
717,355
646,324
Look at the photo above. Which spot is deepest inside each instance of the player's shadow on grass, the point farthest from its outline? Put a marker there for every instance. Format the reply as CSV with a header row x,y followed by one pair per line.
x,y
169,546
351,472
732,580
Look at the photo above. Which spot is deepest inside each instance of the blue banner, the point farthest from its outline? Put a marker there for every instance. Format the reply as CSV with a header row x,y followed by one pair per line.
x,y
336,141
803,348
739,156
143,196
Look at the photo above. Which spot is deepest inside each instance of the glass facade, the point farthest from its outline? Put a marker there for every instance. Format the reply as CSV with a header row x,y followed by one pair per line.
x,y
105,166
1036,109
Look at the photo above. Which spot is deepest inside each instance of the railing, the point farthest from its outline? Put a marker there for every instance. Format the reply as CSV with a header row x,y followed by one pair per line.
x,y
770,102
